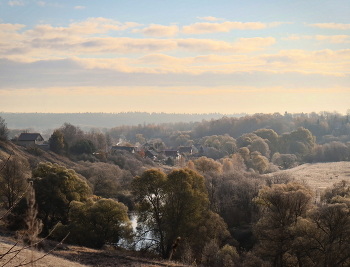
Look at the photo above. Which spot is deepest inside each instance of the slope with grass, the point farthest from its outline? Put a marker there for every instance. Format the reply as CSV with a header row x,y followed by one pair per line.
x,y
320,175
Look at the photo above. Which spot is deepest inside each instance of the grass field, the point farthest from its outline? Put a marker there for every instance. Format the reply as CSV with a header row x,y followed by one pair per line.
x,y
321,175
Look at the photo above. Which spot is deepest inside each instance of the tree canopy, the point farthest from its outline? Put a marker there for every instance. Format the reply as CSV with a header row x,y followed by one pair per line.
x,y
92,224
56,187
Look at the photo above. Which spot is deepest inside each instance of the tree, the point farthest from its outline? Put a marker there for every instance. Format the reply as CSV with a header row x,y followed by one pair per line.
x,y
140,139
260,163
324,236
57,142
340,189
169,206
56,187
300,141
204,164
83,146
92,224
271,136
336,151
261,146
4,131
71,133
105,178
281,205
186,201
285,161
149,192
227,256
13,180
244,153
227,165
223,143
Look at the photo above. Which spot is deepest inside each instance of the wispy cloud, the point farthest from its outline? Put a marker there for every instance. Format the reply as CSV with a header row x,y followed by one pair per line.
x,y
332,25
336,39
41,3
80,7
292,37
227,26
156,30
88,27
15,3
209,18
46,41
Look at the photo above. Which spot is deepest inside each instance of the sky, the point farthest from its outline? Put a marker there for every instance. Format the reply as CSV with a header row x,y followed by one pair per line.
x,y
183,56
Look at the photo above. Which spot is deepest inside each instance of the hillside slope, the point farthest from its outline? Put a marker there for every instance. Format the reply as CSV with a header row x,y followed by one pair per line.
x,y
320,175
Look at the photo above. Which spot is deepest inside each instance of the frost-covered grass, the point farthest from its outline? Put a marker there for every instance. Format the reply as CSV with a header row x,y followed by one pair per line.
x,y
27,255
321,175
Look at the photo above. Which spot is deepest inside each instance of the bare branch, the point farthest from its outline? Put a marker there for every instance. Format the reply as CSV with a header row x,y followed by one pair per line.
x,y
36,243
17,201
9,251
49,252
6,161
11,258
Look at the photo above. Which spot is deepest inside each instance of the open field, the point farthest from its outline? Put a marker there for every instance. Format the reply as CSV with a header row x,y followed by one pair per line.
x,y
321,175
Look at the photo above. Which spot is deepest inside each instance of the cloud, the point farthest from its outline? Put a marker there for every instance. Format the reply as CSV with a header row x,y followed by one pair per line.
x,y
80,7
291,37
89,27
323,62
206,27
209,18
41,3
156,30
336,39
15,3
88,37
339,26
227,26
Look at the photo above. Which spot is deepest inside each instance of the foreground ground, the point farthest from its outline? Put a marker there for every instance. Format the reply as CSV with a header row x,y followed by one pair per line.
x,y
74,256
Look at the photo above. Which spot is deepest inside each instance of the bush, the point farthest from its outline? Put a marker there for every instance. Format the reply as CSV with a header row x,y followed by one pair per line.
x,y
93,224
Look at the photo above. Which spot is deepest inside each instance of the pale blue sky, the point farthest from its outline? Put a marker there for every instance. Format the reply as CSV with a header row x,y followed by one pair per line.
x,y
200,56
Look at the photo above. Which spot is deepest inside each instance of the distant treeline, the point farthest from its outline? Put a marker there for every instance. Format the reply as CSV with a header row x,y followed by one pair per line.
x,y
43,121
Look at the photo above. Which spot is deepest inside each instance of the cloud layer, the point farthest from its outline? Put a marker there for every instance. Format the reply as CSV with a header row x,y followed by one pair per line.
x,y
131,62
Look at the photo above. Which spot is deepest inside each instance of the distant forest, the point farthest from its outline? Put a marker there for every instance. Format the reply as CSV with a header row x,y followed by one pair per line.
x,y
43,121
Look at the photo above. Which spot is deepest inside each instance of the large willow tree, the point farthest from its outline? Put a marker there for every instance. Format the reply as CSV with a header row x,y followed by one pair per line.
x,y
172,206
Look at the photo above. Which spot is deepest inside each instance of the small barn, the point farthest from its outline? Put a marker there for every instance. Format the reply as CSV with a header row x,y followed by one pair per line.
x,y
30,139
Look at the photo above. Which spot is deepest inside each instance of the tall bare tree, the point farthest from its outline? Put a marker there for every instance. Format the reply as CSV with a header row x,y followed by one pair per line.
x,y
13,180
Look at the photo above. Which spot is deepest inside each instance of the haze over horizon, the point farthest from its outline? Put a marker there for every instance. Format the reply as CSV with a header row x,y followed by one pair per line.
x,y
175,56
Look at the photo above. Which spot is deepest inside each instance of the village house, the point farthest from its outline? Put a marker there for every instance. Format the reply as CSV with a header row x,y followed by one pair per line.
x,y
30,139
129,149
171,153
151,154
185,150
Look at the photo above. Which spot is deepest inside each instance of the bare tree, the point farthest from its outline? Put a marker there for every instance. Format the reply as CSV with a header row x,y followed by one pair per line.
x,y
13,180
4,131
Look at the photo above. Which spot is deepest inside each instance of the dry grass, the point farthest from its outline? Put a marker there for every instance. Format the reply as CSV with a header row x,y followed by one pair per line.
x,y
75,256
26,256
321,175
112,257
